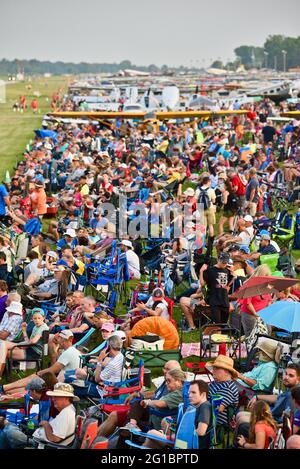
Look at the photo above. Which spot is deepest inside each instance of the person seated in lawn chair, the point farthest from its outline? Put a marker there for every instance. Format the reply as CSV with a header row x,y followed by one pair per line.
x,y
225,386
108,368
151,411
198,398
54,289
156,305
118,418
61,429
12,436
261,377
69,359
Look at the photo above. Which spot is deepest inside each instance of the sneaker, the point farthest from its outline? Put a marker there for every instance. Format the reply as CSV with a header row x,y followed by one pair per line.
x,y
189,329
125,431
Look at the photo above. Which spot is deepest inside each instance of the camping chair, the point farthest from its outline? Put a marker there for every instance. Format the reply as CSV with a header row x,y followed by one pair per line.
x,y
271,260
285,234
186,436
229,335
11,362
82,429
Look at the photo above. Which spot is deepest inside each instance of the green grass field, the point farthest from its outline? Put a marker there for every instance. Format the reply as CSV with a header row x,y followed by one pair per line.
x,y
16,128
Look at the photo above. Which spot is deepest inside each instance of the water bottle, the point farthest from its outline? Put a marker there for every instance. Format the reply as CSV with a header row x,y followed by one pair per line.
x,y
30,425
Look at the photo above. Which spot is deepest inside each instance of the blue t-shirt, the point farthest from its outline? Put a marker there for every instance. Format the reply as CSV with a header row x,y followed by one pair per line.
x,y
252,184
3,193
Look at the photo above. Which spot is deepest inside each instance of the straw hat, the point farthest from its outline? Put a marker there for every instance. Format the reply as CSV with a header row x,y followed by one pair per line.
x,y
63,390
224,362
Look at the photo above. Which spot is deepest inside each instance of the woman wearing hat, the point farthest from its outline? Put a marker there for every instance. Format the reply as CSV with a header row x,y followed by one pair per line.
x,y
261,377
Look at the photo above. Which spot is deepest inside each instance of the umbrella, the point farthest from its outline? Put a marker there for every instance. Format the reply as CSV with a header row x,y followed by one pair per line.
x,y
262,285
282,314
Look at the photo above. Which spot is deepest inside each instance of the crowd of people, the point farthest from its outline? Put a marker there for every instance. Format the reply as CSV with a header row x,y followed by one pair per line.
x,y
158,189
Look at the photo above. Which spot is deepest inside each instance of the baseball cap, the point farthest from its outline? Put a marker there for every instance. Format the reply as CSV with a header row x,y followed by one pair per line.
x,y
70,232
108,326
52,254
121,335
36,384
224,257
248,218
66,334
38,311
267,237
245,249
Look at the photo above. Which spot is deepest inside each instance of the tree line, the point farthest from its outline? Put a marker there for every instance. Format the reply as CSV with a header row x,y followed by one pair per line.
x,y
278,53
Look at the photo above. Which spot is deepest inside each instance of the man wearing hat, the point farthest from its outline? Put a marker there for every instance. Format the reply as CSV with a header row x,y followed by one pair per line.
x,y
224,384
98,223
217,279
69,359
11,323
245,235
61,429
69,239
11,436
132,259
265,248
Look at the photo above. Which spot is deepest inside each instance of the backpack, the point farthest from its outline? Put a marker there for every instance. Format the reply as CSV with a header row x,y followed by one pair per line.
x,y
204,199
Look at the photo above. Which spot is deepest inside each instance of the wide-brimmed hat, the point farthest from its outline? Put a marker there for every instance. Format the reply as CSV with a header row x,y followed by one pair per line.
x,y
127,243
63,390
15,307
268,346
189,192
224,362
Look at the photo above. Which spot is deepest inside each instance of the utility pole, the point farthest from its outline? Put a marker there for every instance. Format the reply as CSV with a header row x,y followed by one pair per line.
x,y
284,53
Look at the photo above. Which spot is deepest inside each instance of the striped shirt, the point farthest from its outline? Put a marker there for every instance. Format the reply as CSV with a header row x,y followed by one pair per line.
x,y
113,370
230,393
11,324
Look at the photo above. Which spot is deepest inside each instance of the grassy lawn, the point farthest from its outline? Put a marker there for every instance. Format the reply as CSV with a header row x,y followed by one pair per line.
x,y
16,128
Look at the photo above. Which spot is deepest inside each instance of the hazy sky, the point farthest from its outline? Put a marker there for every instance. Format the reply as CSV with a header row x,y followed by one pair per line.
x,y
174,32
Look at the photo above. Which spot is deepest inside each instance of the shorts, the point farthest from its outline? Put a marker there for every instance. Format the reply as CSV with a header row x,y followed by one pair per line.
x,y
252,208
210,216
30,354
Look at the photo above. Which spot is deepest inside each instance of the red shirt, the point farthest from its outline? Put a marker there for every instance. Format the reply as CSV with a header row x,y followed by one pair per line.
x,y
259,302
236,182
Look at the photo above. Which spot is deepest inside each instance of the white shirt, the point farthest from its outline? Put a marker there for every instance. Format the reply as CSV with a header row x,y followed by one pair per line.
x,y
70,359
62,425
133,264
113,370
246,236
162,305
